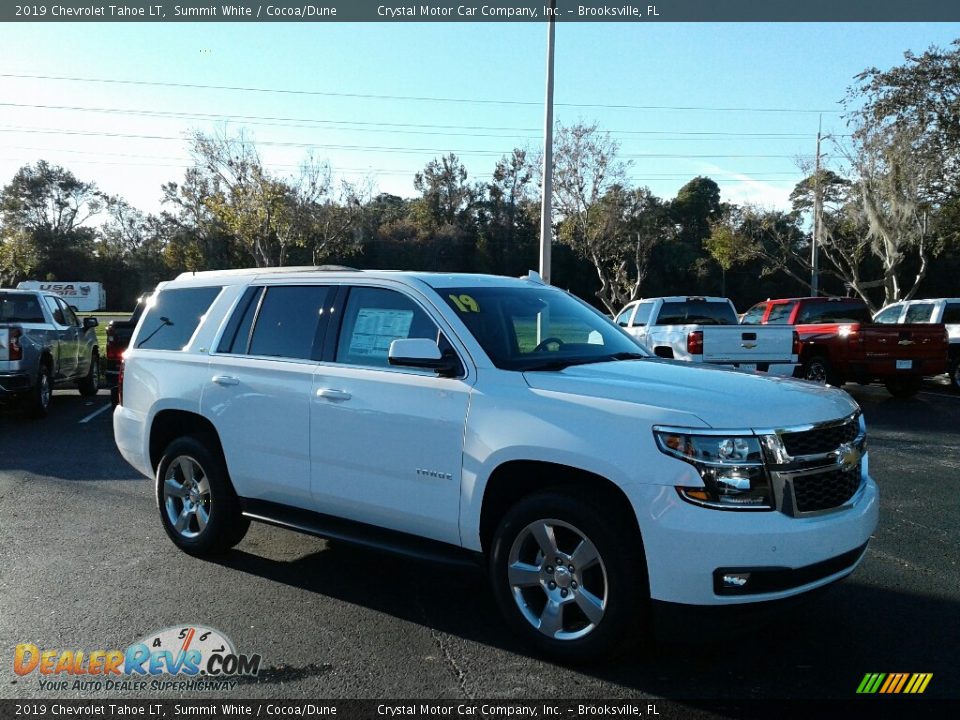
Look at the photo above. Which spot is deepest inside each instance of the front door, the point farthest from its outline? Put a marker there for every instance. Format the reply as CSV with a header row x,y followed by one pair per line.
x,y
387,443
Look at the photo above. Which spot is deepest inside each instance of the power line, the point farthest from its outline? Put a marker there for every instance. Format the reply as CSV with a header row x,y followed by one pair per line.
x,y
274,121
375,148
415,98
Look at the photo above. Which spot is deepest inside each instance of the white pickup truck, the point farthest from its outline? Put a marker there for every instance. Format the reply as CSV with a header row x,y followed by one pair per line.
x,y
932,310
707,330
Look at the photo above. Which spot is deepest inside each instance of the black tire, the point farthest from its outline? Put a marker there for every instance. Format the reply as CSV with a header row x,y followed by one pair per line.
x,y
90,384
904,387
955,374
37,404
819,370
618,580
195,499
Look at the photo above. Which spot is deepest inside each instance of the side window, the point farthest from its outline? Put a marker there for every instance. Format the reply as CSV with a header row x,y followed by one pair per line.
x,y
374,318
236,336
623,319
55,310
780,313
68,314
643,313
174,316
951,314
889,316
754,315
919,313
290,321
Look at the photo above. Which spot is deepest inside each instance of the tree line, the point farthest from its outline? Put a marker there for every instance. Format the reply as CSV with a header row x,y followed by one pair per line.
x,y
887,209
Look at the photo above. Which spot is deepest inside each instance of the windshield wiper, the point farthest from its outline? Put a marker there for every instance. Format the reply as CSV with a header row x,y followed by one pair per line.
x,y
625,356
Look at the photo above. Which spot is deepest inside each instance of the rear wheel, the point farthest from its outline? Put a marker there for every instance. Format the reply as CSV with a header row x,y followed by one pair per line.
x,y
90,384
955,374
904,387
817,369
38,401
568,574
198,507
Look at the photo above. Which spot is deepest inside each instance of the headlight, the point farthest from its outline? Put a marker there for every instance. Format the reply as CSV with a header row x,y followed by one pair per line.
x,y
731,467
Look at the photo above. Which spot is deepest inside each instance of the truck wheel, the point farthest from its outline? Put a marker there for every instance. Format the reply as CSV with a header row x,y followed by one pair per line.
x,y
38,401
955,375
568,574
198,507
904,387
89,384
817,369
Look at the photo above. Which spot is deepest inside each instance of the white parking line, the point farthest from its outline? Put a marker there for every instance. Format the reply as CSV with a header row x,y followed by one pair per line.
x,y
92,415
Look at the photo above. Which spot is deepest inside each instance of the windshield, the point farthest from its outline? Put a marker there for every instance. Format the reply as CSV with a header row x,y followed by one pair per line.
x,y
538,328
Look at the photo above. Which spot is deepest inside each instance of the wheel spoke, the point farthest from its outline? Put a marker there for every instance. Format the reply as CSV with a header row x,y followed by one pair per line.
x,y
172,488
591,605
551,619
203,485
186,469
183,520
585,555
523,574
543,534
203,517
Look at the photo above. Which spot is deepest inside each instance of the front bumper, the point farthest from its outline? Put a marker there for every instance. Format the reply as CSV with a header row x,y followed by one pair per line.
x,y
686,545
14,383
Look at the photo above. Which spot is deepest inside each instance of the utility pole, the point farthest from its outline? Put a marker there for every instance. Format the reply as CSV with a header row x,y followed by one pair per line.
x,y
546,201
817,220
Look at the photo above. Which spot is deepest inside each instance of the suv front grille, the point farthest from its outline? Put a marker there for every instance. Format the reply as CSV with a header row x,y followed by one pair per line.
x,y
820,440
825,490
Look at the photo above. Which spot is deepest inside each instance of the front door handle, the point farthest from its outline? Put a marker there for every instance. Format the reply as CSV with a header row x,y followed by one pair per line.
x,y
331,394
226,380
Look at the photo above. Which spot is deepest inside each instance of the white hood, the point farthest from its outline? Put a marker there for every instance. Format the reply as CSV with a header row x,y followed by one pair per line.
x,y
722,398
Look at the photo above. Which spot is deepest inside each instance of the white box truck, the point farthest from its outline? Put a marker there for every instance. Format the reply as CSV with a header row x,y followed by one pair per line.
x,y
84,296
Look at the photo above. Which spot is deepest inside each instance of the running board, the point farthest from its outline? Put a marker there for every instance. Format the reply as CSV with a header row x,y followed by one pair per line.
x,y
357,533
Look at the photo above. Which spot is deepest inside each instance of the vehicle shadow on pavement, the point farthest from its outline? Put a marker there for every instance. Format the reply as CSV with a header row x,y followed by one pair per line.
x,y
819,648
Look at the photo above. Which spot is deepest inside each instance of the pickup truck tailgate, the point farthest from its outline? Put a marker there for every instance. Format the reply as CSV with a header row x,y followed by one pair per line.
x,y
748,344
920,347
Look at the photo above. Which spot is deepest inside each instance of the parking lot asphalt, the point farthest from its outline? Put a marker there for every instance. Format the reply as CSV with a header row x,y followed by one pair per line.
x,y
86,565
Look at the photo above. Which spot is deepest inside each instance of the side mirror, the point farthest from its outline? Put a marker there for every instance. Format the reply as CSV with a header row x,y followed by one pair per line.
x,y
420,353
90,322
75,308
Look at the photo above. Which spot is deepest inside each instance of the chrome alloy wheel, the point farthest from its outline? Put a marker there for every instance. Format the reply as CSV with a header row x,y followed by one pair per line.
x,y
186,496
557,579
816,372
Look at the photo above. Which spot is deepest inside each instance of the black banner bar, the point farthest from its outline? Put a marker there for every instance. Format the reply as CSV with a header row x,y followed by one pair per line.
x,y
490,11
648,709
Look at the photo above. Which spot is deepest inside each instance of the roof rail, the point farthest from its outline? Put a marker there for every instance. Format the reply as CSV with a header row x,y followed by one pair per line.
x,y
266,271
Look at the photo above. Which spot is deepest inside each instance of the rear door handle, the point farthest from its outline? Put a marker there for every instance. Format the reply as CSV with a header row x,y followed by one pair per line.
x,y
226,380
331,394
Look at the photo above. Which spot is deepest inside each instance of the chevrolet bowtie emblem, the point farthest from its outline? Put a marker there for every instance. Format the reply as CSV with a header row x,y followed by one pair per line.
x,y
748,345
905,342
848,456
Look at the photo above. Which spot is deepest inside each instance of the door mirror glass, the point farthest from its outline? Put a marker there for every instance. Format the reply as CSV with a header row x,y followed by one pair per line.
x,y
90,322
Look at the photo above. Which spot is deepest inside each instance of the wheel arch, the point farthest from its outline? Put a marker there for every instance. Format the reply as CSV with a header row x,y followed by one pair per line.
x,y
513,480
168,425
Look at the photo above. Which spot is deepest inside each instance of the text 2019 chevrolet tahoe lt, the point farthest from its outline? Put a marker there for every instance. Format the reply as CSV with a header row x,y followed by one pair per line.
x,y
492,418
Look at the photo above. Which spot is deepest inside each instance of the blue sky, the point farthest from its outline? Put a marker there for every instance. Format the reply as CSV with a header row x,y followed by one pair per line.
x,y
797,68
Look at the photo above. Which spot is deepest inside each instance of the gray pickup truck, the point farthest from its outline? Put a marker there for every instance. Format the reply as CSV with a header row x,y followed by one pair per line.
x,y
44,345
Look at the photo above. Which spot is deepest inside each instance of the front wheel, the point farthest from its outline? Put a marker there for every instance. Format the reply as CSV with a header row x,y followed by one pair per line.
x,y
568,574
904,387
198,507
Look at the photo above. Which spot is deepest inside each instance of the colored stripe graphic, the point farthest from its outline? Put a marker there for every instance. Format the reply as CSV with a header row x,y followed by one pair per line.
x,y
894,683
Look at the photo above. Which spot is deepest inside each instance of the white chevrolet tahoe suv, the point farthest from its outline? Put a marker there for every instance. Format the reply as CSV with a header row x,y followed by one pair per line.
x,y
491,418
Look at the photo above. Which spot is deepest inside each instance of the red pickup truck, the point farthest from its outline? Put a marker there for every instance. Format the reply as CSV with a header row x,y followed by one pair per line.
x,y
840,343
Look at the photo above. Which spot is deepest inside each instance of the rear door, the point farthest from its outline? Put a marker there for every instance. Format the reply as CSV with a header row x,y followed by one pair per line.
x,y
66,339
259,389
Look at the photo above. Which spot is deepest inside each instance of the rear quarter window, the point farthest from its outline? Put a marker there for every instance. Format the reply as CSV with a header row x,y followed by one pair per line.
x,y
951,314
174,316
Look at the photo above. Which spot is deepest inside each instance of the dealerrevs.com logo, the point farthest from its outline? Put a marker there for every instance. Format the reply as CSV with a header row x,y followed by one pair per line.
x,y
181,658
